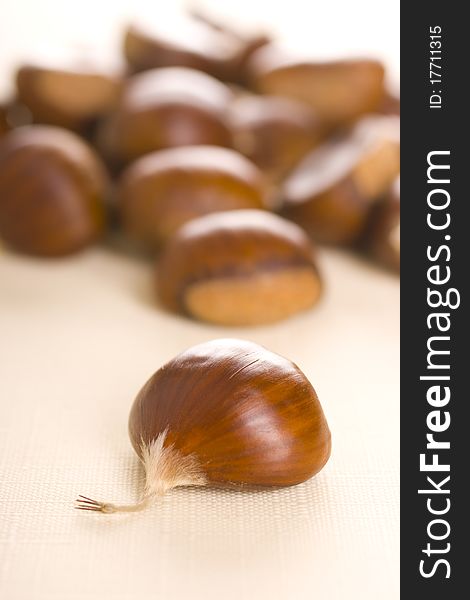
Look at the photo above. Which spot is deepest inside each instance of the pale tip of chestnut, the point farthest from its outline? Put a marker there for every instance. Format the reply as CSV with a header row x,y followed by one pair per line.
x,y
165,468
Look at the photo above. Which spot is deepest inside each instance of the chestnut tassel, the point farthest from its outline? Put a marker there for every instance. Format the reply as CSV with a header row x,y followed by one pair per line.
x,y
225,413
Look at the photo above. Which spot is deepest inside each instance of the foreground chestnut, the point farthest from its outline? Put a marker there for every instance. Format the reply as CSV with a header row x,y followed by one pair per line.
x,y
238,268
339,91
52,191
332,191
225,413
275,133
161,191
164,108
382,239
71,97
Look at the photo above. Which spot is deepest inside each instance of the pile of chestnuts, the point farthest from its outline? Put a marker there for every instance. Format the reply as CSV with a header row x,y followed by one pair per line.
x,y
225,159
204,119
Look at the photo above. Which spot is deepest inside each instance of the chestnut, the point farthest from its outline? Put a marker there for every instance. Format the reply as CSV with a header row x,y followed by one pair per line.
x,y
331,192
13,114
179,42
240,69
52,191
237,68
382,238
69,96
226,413
164,108
339,91
161,191
390,104
275,133
4,125
243,267
193,41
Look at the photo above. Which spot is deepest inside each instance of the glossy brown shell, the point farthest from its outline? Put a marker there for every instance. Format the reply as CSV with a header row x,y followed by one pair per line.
x,y
275,133
166,108
234,244
390,104
187,43
380,240
163,190
71,98
52,191
340,91
249,416
193,41
333,216
326,194
4,126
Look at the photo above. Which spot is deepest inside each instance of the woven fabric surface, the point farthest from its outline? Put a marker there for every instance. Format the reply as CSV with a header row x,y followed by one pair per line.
x,y
79,337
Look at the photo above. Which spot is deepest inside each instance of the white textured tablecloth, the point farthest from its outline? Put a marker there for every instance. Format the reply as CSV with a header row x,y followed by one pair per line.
x,y
79,337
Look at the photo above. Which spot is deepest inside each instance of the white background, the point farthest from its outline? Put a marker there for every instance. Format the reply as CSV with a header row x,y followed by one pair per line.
x,y
331,27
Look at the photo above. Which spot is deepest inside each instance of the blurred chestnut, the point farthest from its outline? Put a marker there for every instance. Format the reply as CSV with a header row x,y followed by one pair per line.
x,y
52,191
243,267
275,133
161,191
71,96
4,126
331,192
179,42
240,69
188,41
16,114
390,105
382,239
164,108
339,91
237,68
